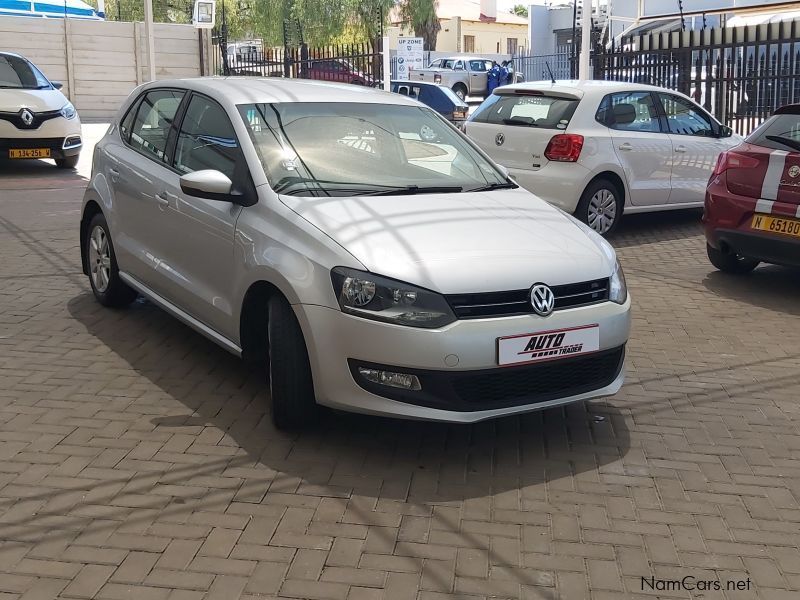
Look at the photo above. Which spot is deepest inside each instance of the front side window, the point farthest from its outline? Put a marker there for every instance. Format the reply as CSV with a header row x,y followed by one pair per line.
x,y
206,139
18,73
629,111
154,118
546,112
685,118
477,65
354,149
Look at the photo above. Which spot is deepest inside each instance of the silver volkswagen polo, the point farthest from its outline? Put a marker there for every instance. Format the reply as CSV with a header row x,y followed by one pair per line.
x,y
354,240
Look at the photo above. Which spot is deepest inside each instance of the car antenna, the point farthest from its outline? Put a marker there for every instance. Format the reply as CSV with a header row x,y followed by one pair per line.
x,y
549,70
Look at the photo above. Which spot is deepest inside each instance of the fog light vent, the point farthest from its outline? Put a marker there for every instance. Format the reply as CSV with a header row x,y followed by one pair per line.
x,y
404,381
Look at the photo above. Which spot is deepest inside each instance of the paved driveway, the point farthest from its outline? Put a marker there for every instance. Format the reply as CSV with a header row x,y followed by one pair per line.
x,y
137,460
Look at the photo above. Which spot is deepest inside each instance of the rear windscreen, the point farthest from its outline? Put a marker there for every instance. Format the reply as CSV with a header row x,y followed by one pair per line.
x,y
781,132
546,112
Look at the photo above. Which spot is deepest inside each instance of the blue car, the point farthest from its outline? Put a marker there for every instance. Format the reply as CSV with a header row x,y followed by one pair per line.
x,y
441,99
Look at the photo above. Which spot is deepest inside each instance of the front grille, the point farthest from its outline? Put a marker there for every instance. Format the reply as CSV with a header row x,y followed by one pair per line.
x,y
518,302
38,118
502,387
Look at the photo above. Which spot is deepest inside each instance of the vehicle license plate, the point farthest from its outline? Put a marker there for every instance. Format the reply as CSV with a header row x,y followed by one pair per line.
x,y
548,345
776,225
29,153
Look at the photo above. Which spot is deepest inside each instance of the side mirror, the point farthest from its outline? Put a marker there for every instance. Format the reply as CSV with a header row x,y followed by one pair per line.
x,y
57,84
208,184
725,131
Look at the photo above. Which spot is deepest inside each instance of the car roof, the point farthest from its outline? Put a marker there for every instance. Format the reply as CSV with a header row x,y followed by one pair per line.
x,y
419,83
247,90
582,87
788,109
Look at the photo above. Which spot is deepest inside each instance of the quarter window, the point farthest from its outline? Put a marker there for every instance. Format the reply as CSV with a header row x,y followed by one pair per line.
x,y
629,111
153,121
206,139
685,118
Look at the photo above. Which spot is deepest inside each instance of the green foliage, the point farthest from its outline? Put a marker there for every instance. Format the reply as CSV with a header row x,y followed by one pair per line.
x,y
421,15
520,10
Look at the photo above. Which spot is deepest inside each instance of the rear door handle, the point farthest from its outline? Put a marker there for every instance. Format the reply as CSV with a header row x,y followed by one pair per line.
x,y
114,174
680,149
162,199
626,146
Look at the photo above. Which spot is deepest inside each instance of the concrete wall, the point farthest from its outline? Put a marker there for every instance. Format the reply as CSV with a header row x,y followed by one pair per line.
x,y
100,62
487,35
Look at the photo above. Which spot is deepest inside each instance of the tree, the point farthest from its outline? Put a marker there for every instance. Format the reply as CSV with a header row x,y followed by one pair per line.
x,y
520,10
421,16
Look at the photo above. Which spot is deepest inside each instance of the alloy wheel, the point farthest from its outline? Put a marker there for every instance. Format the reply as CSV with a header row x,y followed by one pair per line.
x,y
602,211
99,259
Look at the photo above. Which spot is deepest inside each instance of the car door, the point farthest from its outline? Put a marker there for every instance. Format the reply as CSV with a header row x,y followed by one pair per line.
x,y
477,77
643,150
134,168
196,235
696,145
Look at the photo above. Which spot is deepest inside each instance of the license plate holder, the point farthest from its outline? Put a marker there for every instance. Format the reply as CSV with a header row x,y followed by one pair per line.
x,y
775,224
527,348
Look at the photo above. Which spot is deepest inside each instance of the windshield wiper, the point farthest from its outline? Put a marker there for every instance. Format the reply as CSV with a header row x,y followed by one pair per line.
x,y
506,185
519,123
323,185
793,144
410,190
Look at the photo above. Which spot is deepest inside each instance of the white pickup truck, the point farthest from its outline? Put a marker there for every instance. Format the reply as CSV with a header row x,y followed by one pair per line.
x,y
465,75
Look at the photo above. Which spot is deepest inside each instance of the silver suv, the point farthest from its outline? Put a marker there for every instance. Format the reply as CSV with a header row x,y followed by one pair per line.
x,y
357,242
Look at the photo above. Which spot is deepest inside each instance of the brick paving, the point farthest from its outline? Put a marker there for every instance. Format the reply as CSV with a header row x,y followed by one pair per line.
x,y
137,460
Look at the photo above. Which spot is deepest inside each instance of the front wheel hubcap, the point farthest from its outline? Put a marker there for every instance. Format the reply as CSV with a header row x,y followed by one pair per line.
x,y
99,259
602,211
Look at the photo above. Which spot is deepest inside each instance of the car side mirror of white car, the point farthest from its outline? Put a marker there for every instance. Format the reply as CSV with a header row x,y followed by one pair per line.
x,y
209,184
57,84
725,131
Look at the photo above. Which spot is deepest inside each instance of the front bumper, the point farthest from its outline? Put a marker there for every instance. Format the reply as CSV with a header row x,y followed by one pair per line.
x,y
60,147
727,219
558,183
338,343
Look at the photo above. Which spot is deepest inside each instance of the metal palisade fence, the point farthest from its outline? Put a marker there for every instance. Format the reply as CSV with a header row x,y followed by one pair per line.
x,y
359,64
739,74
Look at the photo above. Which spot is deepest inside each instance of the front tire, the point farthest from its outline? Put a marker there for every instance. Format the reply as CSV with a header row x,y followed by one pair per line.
x,y
735,264
107,286
69,162
294,405
600,206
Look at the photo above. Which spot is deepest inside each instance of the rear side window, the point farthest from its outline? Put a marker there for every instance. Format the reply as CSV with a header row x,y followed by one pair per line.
x,y
546,112
477,65
629,111
781,132
154,118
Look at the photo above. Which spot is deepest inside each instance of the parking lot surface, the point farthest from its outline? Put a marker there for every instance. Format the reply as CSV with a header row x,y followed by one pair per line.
x,y
137,459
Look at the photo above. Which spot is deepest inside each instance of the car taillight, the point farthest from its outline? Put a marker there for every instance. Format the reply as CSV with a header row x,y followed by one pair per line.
x,y
733,160
459,114
564,147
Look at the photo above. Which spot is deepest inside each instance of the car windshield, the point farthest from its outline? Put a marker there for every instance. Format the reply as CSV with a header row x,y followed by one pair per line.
x,y
781,132
18,73
355,149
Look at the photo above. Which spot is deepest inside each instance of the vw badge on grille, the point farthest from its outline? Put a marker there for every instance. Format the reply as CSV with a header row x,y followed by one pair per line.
x,y
499,139
26,116
542,299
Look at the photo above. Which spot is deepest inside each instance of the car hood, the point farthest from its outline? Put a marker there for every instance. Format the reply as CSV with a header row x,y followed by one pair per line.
x,y
36,100
461,243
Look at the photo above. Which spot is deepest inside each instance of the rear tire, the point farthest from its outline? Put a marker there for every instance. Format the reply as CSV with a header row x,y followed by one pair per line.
x,y
107,286
600,206
460,91
70,162
735,264
294,405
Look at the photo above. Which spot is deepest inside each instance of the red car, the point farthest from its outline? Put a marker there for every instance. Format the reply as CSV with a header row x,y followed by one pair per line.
x,y
752,208
336,69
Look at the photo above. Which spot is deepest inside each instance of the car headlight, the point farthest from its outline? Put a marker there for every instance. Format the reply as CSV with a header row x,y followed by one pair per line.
x,y
617,288
68,112
382,299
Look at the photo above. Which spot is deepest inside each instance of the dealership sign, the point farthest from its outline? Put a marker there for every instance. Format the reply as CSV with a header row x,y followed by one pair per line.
x,y
409,56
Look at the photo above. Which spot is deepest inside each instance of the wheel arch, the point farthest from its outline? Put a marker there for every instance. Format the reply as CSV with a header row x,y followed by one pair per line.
x,y
614,178
253,319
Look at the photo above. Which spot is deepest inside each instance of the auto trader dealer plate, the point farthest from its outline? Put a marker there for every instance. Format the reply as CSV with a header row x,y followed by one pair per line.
x,y
548,345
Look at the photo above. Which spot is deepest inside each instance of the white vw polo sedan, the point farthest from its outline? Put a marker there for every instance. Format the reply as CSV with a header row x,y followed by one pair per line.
x,y
357,243
36,120
600,148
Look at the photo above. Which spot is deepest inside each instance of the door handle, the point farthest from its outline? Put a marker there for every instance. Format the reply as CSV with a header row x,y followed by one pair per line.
x,y
626,146
114,174
680,149
162,199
